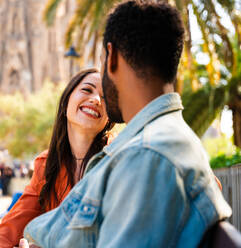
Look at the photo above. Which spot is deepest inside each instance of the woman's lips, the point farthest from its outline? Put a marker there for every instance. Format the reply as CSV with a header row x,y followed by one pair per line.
x,y
90,111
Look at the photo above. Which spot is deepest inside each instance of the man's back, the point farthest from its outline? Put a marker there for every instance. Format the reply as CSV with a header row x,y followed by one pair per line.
x,y
170,136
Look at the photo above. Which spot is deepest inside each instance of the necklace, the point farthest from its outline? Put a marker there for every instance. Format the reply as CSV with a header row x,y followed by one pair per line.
x,y
78,158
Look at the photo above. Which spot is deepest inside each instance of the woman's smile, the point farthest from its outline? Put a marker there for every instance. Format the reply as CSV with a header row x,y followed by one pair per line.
x,y
90,111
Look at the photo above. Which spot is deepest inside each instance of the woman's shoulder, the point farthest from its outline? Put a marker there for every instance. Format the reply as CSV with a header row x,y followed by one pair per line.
x,y
39,161
42,155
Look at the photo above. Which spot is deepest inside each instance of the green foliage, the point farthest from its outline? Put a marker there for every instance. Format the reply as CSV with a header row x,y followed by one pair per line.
x,y
219,146
26,122
201,107
222,151
223,160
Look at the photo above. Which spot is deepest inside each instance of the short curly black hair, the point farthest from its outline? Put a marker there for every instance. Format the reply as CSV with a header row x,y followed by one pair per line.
x,y
149,36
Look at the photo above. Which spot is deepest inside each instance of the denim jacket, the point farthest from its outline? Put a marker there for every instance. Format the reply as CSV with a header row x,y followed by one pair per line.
x,y
151,187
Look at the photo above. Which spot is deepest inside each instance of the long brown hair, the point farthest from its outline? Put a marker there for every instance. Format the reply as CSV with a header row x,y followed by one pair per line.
x,y
59,153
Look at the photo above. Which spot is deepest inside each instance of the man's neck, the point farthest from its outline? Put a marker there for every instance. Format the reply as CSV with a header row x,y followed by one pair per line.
x,y
141,95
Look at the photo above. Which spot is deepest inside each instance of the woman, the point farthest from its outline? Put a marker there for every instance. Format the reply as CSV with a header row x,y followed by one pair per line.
x,y
80,131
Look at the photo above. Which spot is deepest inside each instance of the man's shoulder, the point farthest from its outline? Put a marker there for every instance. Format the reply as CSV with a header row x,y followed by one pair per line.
x,y
172,139
170,134
165,135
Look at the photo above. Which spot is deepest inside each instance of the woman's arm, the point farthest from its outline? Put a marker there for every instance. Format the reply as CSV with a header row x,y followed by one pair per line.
x,y
26,208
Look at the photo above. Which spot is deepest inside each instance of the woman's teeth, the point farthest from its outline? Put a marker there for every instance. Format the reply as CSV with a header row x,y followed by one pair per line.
x,y
90,111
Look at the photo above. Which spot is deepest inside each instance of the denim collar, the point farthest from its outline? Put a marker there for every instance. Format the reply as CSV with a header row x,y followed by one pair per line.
x,y
159,106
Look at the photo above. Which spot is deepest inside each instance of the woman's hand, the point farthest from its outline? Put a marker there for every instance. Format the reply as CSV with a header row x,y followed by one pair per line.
x,y
23,243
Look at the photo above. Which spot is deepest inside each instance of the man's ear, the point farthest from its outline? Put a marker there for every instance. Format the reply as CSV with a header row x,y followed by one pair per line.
x,y
112,60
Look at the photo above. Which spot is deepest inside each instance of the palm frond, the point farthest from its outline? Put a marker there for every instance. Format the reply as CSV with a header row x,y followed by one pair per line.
x,y
83,8
49,12
79,22
197,110
209,48
236,20
98,14
224,35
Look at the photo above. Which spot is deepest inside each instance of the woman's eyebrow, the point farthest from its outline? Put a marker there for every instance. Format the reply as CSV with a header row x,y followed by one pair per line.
x,y
93,85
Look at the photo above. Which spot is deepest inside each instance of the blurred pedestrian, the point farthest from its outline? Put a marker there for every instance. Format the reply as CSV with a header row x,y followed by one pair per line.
x,y
6,178
23,170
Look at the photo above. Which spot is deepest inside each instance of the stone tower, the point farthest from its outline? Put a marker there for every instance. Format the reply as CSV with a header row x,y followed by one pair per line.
x,y
29,51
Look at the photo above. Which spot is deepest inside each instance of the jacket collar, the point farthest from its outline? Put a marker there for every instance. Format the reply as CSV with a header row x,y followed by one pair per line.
x,y
159,106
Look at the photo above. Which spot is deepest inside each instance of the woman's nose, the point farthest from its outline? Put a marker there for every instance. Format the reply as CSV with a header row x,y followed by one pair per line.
x,y
95,99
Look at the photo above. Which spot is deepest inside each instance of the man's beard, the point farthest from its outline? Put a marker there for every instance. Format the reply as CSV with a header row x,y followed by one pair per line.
x,y
111,98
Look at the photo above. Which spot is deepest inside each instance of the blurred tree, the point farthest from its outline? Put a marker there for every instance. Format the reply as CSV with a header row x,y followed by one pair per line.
x,y
26,122
205,86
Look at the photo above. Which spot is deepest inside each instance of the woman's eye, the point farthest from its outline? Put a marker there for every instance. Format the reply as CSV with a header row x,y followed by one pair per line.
x,y
87,90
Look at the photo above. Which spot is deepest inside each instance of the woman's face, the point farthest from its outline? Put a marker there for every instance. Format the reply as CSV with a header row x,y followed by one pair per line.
x,y
86,107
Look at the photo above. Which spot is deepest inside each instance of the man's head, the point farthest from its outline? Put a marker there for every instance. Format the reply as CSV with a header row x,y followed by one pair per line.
x,y
149,37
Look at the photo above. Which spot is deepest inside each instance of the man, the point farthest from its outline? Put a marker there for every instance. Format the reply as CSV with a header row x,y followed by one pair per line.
x,y
152,186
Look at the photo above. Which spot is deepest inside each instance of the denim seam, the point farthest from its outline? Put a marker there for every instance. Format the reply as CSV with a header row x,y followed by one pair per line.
x,y
174,108
204,218
81,202
65,214
92,201
139,147
92,221
145,145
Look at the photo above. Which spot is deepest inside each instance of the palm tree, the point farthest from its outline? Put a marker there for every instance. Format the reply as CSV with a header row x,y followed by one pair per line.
x,y
205,88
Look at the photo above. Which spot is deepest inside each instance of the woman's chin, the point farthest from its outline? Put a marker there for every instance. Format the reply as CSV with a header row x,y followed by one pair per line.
x,y
88,124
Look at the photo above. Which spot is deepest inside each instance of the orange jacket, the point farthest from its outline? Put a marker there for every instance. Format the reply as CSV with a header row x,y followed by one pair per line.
x,y
28,207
